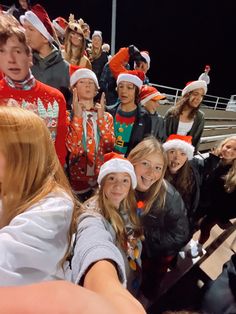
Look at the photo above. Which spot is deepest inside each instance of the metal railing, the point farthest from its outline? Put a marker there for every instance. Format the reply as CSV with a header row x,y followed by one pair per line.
x,y
209,101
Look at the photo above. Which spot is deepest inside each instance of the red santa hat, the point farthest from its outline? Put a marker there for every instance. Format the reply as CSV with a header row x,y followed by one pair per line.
x,y
115,163
190,86
82,73
131,78
182,142
39,18
60,25
149,93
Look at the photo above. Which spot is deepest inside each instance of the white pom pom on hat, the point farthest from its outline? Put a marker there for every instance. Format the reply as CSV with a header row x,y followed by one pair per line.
x,y
182,142
115,163
190,86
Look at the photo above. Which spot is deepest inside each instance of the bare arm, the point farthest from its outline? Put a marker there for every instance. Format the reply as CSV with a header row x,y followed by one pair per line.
x,y
102,278
54,297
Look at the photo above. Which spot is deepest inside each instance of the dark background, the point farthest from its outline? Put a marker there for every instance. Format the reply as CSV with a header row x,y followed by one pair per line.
x,y
181,36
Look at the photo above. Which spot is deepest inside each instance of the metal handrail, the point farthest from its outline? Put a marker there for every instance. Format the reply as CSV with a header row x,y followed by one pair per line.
x,y
219,103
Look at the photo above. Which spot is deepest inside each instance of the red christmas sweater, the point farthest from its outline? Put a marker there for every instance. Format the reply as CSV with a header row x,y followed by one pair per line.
x,y
47,102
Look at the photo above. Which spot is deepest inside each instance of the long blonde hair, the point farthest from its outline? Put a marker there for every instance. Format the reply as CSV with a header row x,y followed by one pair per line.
x,y
68,52
114,216
230,177
148,146
32,167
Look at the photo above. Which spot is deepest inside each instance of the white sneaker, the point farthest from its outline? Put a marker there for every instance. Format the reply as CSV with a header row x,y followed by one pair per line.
x,y
194,248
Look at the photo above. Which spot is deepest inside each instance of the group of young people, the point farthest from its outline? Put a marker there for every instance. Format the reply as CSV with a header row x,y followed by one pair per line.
x,y
142,200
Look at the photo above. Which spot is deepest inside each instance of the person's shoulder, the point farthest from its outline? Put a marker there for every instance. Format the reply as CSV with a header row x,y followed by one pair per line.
x,y
49,90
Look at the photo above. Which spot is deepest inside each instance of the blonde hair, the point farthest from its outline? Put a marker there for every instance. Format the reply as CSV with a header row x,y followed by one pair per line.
x,y
230,177
114,216
68,52
32,167
146,147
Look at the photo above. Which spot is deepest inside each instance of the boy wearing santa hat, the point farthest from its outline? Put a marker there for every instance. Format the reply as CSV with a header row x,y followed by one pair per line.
x,y
91,133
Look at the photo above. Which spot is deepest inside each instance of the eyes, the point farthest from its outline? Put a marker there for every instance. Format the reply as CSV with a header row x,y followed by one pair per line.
x,y
87,82
147,165
112,178
172,152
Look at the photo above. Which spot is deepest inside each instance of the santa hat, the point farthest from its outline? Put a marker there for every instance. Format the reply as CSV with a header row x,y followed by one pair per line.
x,y
129,78
115,163
97,33
60,25
39,18
149,93
182,142
190,86
81,74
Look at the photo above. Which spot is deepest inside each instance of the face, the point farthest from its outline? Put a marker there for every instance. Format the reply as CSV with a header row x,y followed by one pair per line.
x,y
196,97
152,105
2,166
143,66
23,4
97,42
116,187
34,38
14,60
228,150
176,160
76,39
86,89
148,171
126,92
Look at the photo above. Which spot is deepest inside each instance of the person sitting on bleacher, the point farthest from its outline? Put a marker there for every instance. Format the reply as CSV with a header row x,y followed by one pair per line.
x,y
218,190
185,118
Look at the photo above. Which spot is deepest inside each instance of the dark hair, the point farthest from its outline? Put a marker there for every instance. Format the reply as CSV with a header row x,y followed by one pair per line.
x,y
183,181
181,104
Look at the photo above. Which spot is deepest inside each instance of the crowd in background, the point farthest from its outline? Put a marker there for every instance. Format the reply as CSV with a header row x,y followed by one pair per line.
x,y
96,187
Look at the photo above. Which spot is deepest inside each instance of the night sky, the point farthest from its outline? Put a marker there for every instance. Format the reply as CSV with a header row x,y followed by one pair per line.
x,y
181,36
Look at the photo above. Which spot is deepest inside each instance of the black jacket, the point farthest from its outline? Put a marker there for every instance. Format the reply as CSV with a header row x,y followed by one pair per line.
x,y
172,122
141,127
166,230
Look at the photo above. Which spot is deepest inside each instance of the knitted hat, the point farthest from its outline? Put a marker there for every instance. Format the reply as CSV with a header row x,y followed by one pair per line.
x,y
184,143
190,86
149,93
83,73
97,33
115,163
129,78
60,25
39,18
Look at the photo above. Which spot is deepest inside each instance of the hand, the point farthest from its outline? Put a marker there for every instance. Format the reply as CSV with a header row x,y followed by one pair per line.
x,y
135,54
100,106
77,106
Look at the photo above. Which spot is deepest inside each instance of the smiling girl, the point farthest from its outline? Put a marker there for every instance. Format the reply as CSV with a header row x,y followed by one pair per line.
x,y
185,118
163,215
108,229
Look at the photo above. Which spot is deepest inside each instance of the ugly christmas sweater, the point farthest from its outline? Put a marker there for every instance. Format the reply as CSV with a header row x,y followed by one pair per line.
x,y
47,102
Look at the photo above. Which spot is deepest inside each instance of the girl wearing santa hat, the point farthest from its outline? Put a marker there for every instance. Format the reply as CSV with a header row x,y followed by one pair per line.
x,y
91,133
108,235
185,118
182,173
162,211
131,122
